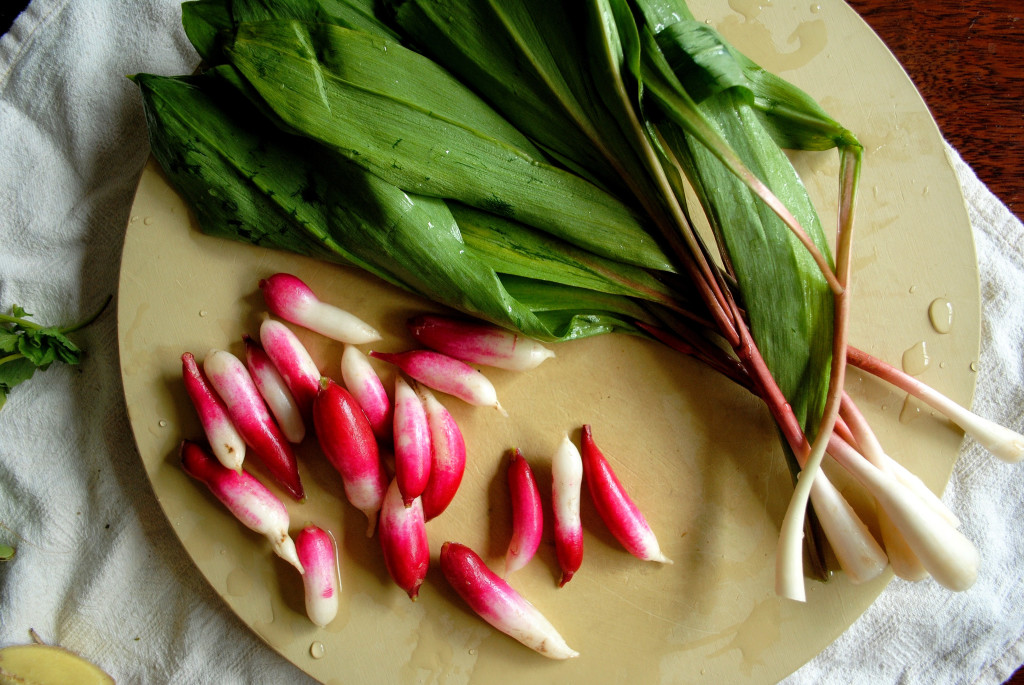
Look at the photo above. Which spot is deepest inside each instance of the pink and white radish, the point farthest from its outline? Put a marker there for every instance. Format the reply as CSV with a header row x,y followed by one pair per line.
x,y
445,374
619,513
527,513
317,553
478,343
499,604
347,441
292,361
403,539
249,413
274,391
291,299
225,441
412,442
365,385
566,490
256,507
447,456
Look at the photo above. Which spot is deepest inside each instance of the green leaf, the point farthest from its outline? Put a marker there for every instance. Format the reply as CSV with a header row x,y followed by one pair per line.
x,y
8,340
401,117
272,184
6,551
15,370
788,302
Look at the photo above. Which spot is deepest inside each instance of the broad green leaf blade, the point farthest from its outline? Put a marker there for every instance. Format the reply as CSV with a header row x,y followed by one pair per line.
x,y
404,119
788,302
792,117
512,248
206,22
285,192
358,15
500,50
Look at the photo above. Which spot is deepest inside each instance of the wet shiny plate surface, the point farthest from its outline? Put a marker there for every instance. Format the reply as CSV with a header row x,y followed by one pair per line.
x,y
699,455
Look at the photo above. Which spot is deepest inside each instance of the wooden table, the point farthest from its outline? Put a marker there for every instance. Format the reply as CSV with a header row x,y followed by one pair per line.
x,y
966,57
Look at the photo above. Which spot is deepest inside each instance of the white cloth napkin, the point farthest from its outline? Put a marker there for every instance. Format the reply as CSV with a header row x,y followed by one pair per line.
x,y
98,569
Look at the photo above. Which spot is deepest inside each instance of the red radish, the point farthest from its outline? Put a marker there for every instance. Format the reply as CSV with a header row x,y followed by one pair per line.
x,y
225,441
446,374
447,456
527,513
412,442
274,391
292,361
499,604
614,505
347,440
249,500
319,558
478,343
365,385
249,413
292,300
403,539
566,487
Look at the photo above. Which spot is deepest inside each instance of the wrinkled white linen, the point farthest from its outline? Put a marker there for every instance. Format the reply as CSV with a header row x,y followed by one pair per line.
x,y
99,570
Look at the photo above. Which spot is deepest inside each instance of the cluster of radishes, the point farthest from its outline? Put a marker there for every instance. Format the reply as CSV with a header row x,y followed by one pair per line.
x,y
261,406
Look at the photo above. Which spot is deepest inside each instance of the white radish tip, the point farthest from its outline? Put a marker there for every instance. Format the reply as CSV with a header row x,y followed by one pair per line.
x,y
501,409
285,548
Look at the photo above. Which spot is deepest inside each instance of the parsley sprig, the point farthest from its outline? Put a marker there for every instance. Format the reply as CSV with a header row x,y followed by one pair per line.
x,y
26,346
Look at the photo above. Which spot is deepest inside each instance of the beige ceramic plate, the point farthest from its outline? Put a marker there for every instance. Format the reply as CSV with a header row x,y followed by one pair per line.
x,y
699,455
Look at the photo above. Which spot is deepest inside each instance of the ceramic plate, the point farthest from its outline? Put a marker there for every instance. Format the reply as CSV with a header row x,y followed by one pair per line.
x,y
699,455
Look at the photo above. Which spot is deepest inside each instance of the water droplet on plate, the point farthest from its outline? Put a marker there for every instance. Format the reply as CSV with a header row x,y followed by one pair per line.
x,y
162,422
202,312
815,8
148,221
974,366
940,313
317,650
916,359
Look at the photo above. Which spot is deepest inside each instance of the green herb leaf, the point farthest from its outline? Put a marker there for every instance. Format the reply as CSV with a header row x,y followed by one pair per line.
x,y
26,346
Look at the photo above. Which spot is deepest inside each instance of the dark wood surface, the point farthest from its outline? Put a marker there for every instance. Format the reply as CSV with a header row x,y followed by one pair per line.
x,y
966,57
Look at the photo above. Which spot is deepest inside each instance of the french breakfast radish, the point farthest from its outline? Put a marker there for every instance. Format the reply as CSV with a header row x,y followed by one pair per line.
x,y
619,513
445,374
347,441
447,456
478,343
499,604
274,391
225,441
566,490
290,298
316,551
249,413
403,539
292,361
527,513
412,442
362,381
256,507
